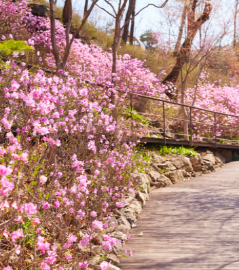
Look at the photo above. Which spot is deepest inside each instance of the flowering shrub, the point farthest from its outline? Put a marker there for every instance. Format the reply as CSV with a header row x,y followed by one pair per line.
x,y
65,166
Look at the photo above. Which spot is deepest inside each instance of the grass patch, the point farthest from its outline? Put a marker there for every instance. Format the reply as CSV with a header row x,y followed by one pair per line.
x,y
136,116
169,150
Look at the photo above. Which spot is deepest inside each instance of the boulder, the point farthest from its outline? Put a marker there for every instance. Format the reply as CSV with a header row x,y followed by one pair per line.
x,y
129,214
155,123
142,197
197,168
40,10
195,160
167,166
144,182
119,235
154,175
175,176
163,181
182,162
122,221
123,228
157,158
136,207
94,261
209,159
113,258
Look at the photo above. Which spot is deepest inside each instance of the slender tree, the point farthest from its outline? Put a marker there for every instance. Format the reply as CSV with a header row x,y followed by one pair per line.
x,y
67,12
86,7
61,62
132,24
193,27
180,34
127,21
235,22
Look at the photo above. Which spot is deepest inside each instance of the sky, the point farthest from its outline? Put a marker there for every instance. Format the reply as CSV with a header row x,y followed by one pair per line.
x,y
158,20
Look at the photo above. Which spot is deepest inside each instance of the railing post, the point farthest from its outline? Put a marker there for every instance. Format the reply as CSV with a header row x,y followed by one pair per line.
x,y
191,127
131,111
215,127
164,125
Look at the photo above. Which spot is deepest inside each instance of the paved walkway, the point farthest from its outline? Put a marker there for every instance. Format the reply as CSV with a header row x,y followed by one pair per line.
x,y
192,225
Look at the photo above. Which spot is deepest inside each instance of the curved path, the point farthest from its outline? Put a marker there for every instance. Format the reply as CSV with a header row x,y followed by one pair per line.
x,y
192,225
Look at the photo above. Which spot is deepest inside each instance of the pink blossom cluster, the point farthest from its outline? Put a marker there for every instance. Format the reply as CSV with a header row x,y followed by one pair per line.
x,y
66,164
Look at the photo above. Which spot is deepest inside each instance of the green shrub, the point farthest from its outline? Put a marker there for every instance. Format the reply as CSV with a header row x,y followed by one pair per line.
x,y
136,116
179,150
10,46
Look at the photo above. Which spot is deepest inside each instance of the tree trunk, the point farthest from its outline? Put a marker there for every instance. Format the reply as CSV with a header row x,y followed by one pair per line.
x,y
86,7
235,23
180,34
132,24
67,10
127,20
184,52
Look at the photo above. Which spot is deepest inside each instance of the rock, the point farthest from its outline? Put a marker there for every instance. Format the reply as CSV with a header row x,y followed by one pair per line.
x,y
97,238
144,181
119,235
175,176
182,162
129,214
142,197
117,249
136,206
158,158
167,166
218,161
155,123
154,175
163,181
113,258
94,261
185,174
123,221
196,160
168,134
123,228
209,159
40,10
198,174
197,168
96,249
124,225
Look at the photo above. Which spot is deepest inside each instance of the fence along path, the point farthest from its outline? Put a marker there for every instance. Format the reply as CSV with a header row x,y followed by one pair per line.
x,y
216,129
191,225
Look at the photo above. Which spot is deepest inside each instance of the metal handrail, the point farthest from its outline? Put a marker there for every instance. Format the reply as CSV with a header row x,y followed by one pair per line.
x,y
190,120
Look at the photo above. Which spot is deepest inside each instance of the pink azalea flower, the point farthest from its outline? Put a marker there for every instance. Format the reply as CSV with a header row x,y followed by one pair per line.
x,y
30,209
105,266
93,214
7,268
17,234
46,205
97,224
83,265
36,221
43,179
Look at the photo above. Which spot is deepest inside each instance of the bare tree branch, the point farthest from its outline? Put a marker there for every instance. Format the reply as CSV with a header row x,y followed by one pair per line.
x,y
111,6
106,11
163,5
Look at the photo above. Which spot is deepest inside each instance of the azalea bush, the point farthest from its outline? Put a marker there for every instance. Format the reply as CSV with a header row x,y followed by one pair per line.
x,y
65,166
